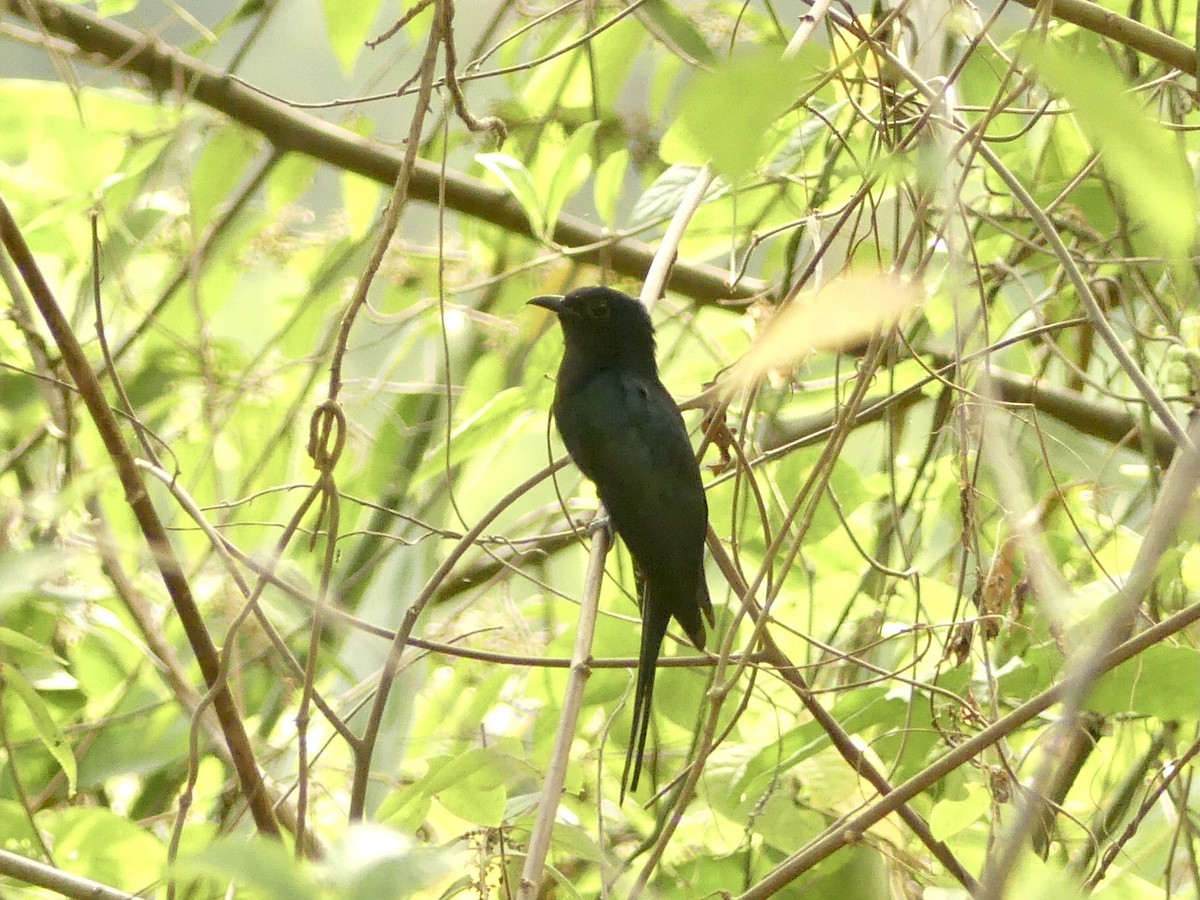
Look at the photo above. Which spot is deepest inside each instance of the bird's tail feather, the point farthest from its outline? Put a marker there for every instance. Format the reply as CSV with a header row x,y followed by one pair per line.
x,y
654,629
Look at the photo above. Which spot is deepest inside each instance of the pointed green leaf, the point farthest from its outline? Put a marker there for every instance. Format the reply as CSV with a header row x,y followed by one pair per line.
x,y
349,23
39,713
607,185
727,111
573,169
514,176
1144,160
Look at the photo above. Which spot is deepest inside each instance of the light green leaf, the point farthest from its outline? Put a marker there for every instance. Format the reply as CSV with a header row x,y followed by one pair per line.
x,y
1163,682
349,23
662,197
573,169
374,863
607,185
472,802
47,730
106,847
514,176
219,170
405,809
21,573
728,111
290,178
477,433
566,80
1143,159
949,817
18,641
483,764
263,865
360,200
108,8
677,31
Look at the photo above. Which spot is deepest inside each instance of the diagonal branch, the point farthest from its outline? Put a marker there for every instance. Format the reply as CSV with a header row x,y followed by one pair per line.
x,y
151,525
166,67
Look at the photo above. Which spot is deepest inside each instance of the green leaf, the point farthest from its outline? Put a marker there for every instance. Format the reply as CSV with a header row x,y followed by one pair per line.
x,y
258,863
109,8
219,170
39,713
17,641
485,765
677,31
349,23
949,817
666,193
803,137
565,82
573,169
1143,159
513,175
405,809
607,186
360,200
472,785
107,847
289,180
728,111
1163,682
248,10
477,433
546,89
858,710
16,827
374,863
472,802
21,573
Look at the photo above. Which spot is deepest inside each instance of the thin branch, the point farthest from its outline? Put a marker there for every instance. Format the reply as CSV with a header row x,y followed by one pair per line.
x,y
31,872
162,551
560,756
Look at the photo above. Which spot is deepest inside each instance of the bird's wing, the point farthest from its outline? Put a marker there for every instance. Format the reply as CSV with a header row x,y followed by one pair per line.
x,y
630,439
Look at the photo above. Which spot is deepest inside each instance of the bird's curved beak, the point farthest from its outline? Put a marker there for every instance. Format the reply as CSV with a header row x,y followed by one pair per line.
x,y
552,302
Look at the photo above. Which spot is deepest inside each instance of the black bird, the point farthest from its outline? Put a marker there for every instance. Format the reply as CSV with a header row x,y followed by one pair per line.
x,y
626,434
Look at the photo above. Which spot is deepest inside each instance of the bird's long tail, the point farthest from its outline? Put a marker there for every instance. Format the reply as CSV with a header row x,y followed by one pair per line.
x,y
654,629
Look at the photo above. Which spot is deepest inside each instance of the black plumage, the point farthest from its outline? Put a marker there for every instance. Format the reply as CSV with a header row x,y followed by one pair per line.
x,y
626,434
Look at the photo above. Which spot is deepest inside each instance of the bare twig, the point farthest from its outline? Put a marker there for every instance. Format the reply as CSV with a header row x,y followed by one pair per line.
x,y
560,755
162,552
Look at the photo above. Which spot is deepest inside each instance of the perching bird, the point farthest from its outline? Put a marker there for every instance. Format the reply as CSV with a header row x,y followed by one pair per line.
x,y
626,434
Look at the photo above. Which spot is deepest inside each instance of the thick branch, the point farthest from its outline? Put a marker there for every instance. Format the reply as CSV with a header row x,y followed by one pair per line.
x,y
166,68
1127,32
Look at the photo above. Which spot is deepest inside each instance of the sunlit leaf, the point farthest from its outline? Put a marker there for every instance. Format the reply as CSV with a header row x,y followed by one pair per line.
x,y
841,313
260,864
516,178
1162,681
1144,159
727,111
349,24
677,30
609,184
48,732
573,169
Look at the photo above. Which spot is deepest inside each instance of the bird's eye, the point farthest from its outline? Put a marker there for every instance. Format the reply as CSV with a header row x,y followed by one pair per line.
x,y
598,309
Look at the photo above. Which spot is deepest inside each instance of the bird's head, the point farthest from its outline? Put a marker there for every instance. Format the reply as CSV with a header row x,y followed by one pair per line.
x,y
602,322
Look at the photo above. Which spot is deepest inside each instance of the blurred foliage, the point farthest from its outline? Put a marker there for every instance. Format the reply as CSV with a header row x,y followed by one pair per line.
x,y
893,573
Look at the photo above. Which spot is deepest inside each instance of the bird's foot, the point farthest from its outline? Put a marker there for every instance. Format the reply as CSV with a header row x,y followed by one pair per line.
x,y
599,523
